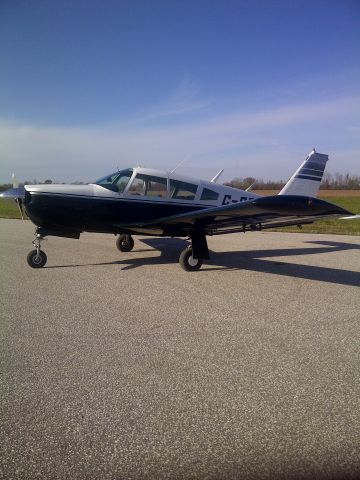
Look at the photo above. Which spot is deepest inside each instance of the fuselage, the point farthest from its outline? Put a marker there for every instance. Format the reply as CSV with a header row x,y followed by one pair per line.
x,y
129,196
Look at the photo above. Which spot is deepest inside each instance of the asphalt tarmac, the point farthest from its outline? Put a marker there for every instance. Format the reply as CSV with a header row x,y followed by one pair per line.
x,y
123,366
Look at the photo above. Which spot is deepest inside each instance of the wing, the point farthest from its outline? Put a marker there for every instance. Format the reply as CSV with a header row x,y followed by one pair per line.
x,y
264,212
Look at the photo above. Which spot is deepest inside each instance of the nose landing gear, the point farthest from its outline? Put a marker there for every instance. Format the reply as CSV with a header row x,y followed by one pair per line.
x,y
37,258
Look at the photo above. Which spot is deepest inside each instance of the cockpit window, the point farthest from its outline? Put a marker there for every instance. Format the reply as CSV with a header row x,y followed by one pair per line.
x,y
123,180
117,181
148,185
182,190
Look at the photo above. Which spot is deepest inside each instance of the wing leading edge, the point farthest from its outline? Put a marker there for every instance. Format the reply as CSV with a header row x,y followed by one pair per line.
x,y
264,212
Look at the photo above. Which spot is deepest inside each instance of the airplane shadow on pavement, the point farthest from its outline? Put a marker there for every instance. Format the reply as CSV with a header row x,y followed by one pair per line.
x,y
255,260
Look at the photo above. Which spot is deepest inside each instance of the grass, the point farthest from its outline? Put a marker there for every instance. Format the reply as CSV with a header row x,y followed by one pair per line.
x,y
340,227
9,209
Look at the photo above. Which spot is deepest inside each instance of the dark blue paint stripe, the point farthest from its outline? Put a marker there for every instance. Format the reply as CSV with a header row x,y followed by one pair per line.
x,y
309,177
311,171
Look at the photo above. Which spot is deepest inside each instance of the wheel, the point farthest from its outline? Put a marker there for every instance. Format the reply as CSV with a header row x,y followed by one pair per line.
x,y
125,243
188,262
35,260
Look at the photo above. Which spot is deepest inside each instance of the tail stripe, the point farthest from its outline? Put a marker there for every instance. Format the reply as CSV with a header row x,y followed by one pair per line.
x,y
311,171
309,177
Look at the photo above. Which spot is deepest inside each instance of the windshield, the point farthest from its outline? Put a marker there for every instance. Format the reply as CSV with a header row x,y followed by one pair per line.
x,y
116,181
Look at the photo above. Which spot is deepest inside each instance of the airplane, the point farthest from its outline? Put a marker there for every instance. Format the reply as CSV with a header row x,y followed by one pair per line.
x,y
143,201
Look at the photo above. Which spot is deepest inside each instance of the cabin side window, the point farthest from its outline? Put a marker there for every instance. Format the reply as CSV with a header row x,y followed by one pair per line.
x,y
156,187
182,190
148,185
137,186
209,195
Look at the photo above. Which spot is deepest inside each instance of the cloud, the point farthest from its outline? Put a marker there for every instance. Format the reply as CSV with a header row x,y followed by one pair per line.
x,y
183,100
260,142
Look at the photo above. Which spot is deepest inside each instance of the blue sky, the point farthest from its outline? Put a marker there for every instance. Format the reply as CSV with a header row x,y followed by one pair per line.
x,y
249,86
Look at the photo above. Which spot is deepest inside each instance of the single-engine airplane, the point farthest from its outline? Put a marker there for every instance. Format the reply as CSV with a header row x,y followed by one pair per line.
x,y
151,202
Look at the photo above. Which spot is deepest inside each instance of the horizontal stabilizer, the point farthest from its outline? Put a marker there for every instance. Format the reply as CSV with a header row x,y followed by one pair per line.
x,y
353,217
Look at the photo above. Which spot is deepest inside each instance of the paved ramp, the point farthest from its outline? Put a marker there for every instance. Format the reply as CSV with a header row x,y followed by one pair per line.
x,y
123,366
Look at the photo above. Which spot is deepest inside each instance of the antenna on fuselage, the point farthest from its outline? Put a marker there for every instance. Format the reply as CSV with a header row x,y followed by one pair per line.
x,y
250,187
217,176
179,164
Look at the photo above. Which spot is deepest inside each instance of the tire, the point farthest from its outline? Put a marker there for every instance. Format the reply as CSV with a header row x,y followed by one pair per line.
x,y
35,260
125,243
187,261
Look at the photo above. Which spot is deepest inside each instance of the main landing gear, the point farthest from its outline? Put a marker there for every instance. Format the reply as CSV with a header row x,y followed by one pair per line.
x,y
125,242
191,259
188,262
37,258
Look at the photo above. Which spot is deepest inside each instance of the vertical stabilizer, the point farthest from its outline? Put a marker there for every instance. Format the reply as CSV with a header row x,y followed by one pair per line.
x,y
307,178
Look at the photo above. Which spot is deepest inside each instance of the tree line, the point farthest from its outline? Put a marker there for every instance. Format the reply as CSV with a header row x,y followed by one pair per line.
x,y
330,181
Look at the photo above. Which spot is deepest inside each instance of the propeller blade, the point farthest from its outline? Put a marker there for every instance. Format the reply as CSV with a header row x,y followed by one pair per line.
x,y
20,205
18,192
14,181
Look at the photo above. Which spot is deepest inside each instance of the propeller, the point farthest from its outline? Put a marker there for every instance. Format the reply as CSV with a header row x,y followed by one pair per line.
x,y
17,193
14,181
20,205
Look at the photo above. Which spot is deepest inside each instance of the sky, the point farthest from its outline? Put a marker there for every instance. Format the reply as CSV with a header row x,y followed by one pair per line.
x,y
87,87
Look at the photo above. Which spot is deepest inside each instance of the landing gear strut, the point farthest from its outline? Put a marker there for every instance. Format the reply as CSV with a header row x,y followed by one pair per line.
x,y
37,258
125,242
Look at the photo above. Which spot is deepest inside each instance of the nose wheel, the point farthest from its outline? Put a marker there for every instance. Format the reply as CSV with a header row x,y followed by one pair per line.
x,y
37,258
125,242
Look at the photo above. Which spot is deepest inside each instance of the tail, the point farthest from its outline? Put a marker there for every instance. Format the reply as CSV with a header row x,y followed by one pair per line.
x,y
307,178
